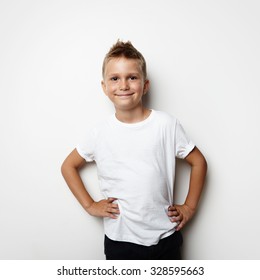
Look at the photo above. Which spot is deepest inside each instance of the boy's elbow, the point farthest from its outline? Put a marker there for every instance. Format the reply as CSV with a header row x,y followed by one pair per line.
x,y
63,168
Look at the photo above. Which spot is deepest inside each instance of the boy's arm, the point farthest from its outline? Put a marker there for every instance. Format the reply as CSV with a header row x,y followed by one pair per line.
x,y
70,171
183,213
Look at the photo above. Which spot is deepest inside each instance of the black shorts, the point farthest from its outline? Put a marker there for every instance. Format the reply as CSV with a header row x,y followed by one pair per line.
x,y
168,248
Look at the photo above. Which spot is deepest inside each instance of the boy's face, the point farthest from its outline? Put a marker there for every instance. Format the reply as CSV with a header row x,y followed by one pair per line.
x,y
124,83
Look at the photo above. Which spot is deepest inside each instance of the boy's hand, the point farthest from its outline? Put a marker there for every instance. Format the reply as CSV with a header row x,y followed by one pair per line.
x,y
180,214
104,208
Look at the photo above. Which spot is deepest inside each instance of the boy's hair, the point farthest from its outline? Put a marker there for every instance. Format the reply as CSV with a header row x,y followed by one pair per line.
x,y
126,50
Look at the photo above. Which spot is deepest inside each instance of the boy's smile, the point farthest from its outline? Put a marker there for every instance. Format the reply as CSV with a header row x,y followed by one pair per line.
x,y
124,84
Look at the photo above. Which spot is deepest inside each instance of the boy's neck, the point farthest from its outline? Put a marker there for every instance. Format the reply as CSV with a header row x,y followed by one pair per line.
x,y
133,116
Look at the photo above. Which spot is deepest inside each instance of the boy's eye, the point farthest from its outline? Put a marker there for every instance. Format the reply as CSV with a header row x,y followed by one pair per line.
x,y
114,79
133,78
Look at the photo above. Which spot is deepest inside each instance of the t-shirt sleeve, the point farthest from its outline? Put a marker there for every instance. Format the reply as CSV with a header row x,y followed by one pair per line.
x,y
183,145
86,148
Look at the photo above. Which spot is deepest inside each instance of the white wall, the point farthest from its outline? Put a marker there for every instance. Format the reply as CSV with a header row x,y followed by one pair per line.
x,y
203,59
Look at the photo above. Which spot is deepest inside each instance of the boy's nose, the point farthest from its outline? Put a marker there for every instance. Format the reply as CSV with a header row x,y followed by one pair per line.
x,y
124,85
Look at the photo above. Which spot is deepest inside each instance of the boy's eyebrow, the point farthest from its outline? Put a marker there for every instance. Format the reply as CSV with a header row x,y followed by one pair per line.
x,y
131,73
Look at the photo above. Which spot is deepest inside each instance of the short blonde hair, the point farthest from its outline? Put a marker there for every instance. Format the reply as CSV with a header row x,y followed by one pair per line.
x,y
127,50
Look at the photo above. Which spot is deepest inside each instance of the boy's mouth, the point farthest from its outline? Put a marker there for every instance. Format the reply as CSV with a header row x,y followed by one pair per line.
x,y
124,94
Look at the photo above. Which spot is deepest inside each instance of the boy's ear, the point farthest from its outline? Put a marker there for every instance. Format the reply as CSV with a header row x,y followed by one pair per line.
x,y
103,84
146,86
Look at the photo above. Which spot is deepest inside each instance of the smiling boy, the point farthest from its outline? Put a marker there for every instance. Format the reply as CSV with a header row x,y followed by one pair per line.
x,y
135,151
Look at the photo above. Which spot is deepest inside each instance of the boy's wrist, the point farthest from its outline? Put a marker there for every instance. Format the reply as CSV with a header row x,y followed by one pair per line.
x,y
88,206
190,206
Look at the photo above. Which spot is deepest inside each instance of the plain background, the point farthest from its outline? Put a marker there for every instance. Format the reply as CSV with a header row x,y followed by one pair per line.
x,y
203,61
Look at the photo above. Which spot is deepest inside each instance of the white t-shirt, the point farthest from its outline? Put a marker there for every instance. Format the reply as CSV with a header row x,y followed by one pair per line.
x,y
136,165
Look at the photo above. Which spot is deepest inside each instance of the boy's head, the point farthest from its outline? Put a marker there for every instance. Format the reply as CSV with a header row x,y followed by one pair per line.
x,y
125,50
124,77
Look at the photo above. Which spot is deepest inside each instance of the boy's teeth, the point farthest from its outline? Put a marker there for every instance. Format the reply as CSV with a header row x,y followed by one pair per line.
x,y
126,94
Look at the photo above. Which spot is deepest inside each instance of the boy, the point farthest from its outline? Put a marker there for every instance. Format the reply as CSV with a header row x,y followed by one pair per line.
x,y
135,153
